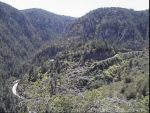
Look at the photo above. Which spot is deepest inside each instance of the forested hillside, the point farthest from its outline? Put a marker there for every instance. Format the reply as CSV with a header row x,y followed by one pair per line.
x,y
20,38
123,27
95,63
47,25
86,78
21,34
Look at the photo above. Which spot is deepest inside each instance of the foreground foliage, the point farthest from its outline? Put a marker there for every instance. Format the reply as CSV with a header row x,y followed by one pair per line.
x,y
120,86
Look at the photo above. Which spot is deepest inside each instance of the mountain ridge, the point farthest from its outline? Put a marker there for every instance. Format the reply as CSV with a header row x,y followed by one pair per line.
x,y
111,24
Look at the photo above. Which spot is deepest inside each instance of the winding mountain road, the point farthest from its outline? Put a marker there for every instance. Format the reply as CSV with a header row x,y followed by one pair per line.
x,y
14,89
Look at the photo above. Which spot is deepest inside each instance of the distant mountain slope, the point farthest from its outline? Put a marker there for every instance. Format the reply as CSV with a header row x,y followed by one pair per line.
x,y
23,32
17,38
114,24
47,25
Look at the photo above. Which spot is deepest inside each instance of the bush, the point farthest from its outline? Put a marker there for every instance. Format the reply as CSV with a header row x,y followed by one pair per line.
x,y
42,70
128,79
131,95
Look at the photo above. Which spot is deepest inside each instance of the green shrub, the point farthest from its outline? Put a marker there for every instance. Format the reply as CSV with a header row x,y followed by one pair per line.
x,y
131,95
128,79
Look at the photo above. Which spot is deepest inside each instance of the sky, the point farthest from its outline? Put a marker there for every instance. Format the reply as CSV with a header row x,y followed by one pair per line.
x,y
76,8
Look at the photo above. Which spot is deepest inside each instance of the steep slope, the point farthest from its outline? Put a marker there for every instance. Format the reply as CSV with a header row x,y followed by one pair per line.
x,y
17,37
23,32
20,38
48,25
124,27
